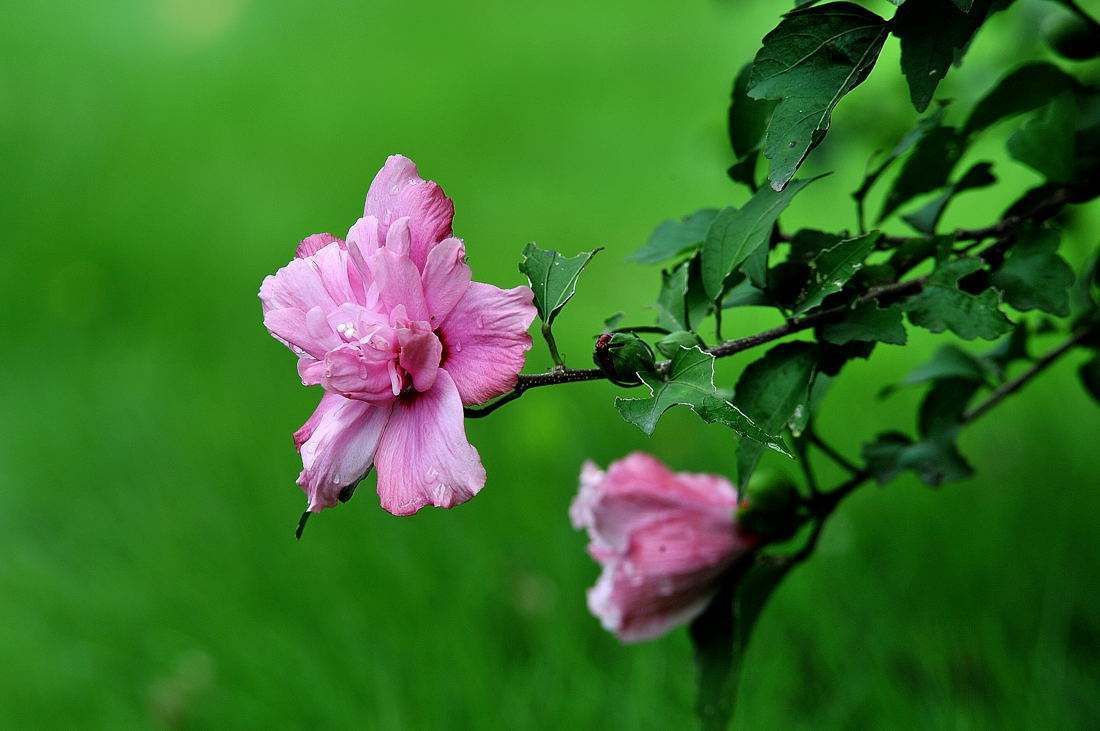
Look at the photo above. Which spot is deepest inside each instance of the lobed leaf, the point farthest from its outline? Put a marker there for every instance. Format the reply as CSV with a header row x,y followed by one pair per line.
x,y
681,303
553,277
941,305
689,381
1033,276
867,322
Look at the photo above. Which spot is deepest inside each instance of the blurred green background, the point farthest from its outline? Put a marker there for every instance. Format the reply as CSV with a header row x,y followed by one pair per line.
x,y
159,157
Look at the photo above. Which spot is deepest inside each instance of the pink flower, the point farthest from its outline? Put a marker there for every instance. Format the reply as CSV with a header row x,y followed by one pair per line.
x,y
390,325
664,539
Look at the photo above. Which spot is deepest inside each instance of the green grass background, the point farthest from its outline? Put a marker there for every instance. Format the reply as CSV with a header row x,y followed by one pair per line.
x,y
159,157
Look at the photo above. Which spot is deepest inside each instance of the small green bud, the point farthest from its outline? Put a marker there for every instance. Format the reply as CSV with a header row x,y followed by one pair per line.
x,y
770,505
622,356
669,344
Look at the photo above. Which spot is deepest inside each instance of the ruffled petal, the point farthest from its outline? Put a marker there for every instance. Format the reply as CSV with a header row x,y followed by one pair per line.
x,y
424,457
310,245
446,278
359,372
398,280
290,325
320,280
485,340
338,444
420,353
399,191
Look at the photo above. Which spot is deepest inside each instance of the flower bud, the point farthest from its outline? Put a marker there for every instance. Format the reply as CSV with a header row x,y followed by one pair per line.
x,y
770,508
622,356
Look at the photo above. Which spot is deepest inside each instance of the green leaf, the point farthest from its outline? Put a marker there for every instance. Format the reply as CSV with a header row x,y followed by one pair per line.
x,y
672,343
553,277
1033,276
952,362
941,305
720,635
808,243
926,219
1045,142
748,117
737,233
1024,89
934,461
1010,349
928,168
689,381
808,63
933,34
681,303
745,294
833,267
769,391
908,141
1090,377
673,238
867,321
914,251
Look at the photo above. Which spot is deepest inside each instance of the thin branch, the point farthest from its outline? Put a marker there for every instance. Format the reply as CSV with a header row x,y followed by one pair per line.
x,y
1010,387
829,452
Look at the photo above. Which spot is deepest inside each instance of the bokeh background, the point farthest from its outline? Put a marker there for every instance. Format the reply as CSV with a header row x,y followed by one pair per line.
x,y
159,157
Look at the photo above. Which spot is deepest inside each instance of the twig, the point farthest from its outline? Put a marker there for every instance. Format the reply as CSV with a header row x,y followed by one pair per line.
x,y
829,452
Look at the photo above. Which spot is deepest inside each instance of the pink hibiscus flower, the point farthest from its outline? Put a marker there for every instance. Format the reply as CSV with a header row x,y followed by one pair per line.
x,y
390,325
664,539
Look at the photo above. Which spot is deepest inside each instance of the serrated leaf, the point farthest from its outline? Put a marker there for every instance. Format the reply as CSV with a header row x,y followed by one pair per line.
x,y
927,169
941,305
769,391
1026,88
933,34
808,63
1045,142
674,238
833,267
1033,276
867,321
681,303
1090,377
720,635
926,219
689,381
737,233
553,278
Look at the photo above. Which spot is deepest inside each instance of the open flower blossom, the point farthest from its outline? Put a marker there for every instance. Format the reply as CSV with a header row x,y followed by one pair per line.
x,y
664,539
390,324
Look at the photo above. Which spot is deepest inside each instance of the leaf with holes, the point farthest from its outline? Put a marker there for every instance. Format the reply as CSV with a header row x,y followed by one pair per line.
x,y
941,305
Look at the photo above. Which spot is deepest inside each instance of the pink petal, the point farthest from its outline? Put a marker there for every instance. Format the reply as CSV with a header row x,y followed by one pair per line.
x,y
338,447
485,340
446,278
424,457
399,191
420,353
289,325
359,372
398,283
320,280
310,245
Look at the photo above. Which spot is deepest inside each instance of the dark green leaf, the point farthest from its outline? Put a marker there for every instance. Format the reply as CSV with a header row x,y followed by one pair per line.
x,y
833,267
809,62
926,219
914,251
769,391
802,414
1090,377
720,635
553,277
745,294
1034,276
941,411
928,168
808,243
867,321
941,305
673,238
682,304
934,461
934,34
689,382
905,144
744,170
1028,87
736,234
952,362
748,117
1010,349
1045,142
